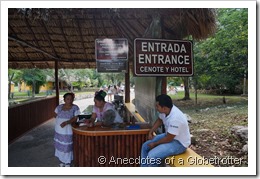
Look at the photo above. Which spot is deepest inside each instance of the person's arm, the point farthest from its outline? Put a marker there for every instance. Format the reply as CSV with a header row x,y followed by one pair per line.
x,y
74,118
93,117
168,138
172,131
70,121
157,124
56,112
99,123
91,121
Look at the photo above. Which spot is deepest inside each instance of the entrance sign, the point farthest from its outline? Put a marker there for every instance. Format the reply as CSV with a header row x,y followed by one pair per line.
x,y
111,55
160,57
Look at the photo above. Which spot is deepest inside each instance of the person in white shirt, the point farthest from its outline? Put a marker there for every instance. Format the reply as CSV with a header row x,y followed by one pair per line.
x,y
174,141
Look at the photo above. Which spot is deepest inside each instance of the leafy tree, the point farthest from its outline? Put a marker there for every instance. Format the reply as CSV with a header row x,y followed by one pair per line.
x,y
35,78
221,61
95,78
11,76
113,78
174,81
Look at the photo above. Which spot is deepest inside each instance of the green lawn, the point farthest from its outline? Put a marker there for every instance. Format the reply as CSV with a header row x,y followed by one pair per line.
x,y
19,97
206,100
202,99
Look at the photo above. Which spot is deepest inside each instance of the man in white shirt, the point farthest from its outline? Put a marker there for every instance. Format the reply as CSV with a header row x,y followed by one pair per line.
x,y
174,141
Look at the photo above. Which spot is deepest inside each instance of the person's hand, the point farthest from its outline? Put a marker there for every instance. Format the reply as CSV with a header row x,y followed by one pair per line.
x,y
63,124
89,123
150,136
151,145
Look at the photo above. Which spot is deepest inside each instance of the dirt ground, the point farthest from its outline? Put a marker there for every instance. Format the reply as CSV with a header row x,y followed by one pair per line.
x,y
211,123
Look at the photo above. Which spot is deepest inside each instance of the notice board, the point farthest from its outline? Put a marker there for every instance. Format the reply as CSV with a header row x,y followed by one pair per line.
x,y
111,54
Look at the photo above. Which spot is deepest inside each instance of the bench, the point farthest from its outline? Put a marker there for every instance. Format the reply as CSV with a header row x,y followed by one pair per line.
x,y
130,109
187,159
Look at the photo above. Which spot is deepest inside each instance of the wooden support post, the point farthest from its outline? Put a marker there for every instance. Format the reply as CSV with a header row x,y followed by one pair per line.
x,y
164,85
57,82
127,84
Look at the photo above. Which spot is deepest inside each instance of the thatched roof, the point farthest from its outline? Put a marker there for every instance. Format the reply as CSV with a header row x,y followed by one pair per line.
x,y
38,37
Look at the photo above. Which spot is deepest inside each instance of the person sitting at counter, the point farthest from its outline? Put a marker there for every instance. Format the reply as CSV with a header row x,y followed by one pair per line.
x,y
104,113
174,141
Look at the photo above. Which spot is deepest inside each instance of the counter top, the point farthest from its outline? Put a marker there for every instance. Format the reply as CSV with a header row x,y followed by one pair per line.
x,y
119,129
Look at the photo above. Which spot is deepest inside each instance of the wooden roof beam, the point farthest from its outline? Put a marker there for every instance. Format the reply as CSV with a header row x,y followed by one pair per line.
x,y
95,25
66,40
49,40
81,38
104,28
48,36
131,28
20,44
141,24
123,29
30,28
35,40
50,60
20,41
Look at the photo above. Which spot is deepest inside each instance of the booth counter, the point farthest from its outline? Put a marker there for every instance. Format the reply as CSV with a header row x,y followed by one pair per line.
x,y
109,146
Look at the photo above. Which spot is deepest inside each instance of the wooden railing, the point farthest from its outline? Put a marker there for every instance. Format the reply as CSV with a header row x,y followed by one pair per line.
x,y
24,117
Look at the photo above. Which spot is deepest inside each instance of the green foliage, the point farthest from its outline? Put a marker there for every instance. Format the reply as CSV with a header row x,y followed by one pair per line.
x,y
113,78
81,77
77,78
35,78
174,81
221,61
78,84
14,75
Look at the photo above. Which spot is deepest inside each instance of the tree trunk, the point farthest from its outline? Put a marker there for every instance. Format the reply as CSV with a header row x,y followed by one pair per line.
x,y
186,88
9,86
37,88
196,93
19,87
9,90
68,80
33,89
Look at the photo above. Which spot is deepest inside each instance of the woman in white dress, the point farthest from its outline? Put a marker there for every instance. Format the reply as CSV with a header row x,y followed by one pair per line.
x,y
66,114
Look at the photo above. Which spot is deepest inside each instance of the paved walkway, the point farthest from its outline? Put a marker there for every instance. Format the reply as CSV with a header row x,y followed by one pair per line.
x,y
35,148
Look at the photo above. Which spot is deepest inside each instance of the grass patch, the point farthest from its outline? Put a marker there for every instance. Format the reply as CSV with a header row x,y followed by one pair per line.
x,y
20,97
205,100
211,123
